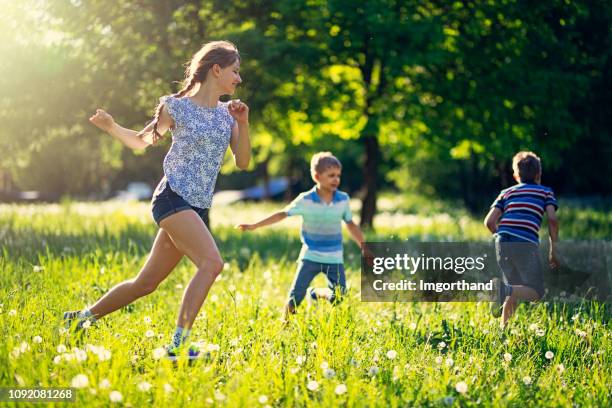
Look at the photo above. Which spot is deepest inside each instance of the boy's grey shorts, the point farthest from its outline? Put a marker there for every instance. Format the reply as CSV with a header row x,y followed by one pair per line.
x,y
520,263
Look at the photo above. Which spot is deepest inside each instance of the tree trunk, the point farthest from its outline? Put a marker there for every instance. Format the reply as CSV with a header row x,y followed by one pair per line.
x,y
502,168
370,177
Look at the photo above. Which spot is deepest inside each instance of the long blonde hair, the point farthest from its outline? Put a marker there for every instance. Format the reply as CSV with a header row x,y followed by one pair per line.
x,y
223,53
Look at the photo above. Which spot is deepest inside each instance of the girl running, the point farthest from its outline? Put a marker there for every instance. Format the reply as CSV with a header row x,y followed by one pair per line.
x,y
202,127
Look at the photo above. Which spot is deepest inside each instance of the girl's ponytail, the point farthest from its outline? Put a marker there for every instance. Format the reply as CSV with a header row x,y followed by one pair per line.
x,y
190,84
223,53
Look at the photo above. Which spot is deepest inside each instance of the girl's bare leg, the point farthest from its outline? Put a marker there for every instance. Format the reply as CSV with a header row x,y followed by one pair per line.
x,y
163,258
192,238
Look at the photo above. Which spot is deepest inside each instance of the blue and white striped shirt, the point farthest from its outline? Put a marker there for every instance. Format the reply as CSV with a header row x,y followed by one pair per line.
x,y
321,233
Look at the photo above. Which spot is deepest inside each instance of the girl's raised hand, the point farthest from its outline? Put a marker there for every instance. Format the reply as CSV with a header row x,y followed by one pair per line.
x,y
245,227
239,111
102,120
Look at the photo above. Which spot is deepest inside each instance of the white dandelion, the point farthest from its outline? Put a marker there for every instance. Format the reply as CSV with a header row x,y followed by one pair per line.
x,y
115,396
373,371
263,399
80,381
68,356
340,389
104,354
527,380
149,334
144,386
391,354
168,388
507,357
549,355
449,362
329,373
312,385
80,355
37,339
104,384
159,352
580,333
212,347
461,387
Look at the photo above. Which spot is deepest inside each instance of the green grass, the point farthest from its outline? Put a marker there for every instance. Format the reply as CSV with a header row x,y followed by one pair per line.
x,y
60,257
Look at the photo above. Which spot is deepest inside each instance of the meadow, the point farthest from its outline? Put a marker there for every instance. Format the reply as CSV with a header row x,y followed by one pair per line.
x,y
58,257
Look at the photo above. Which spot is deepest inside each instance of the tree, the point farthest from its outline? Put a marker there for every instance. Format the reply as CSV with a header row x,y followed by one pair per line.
x,y
346,62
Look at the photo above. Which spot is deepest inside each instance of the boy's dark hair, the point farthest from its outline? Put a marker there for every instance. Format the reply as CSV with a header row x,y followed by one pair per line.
x,y
527,166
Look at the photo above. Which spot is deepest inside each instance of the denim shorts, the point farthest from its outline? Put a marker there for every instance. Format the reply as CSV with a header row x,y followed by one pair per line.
x,y
520,262
166,202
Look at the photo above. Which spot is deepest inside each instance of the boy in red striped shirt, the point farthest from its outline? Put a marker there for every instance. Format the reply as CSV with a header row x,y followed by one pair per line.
x,y
515,218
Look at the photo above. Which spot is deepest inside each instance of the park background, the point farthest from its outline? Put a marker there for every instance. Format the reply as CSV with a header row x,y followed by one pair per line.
x,y
425,103
427,97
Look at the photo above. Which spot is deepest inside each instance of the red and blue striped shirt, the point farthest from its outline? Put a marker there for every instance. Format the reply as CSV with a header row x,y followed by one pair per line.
x,y
523,206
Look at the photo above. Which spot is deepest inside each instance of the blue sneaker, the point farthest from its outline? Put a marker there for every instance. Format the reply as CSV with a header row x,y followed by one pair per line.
x,y
312,294
175,353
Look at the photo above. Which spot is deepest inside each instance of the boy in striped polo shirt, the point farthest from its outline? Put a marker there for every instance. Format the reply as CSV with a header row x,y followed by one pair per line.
x,y
515,218
323,208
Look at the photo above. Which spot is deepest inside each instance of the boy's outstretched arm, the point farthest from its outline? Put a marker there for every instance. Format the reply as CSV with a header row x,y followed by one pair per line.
x,y
355,232
553,231
274,218
492,219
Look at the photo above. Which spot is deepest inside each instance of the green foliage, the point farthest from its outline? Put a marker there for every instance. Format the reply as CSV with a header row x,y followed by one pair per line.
x,y
450,90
